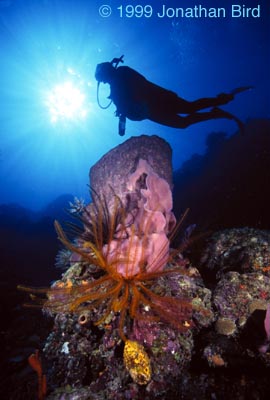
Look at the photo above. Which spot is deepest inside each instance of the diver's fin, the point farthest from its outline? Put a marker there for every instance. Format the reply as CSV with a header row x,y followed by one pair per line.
x,y
219,113
241,89
224,98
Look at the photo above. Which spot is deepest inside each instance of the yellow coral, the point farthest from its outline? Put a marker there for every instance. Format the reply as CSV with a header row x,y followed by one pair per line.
x,y
137,362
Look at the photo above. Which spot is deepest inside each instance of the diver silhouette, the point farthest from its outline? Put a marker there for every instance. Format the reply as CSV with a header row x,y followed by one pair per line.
x,y
137,99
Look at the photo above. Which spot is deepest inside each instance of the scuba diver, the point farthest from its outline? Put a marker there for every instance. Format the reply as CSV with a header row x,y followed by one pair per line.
x,y
137,99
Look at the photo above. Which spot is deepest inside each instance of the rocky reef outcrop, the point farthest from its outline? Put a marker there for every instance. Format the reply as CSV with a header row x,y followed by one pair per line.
x,y
135,318
125,322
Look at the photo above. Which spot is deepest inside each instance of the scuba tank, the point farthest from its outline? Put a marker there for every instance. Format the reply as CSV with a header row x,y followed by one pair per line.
x,y
122,125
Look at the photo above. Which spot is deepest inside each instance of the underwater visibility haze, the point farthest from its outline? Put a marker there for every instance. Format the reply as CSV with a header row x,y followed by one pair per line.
x,y
52,129
134,201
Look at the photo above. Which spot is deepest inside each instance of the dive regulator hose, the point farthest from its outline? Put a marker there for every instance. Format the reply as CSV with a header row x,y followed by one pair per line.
x,y
98,101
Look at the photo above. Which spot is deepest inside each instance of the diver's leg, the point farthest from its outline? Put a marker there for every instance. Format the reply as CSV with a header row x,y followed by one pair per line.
x,y
178,105
177,121
189,107
207,102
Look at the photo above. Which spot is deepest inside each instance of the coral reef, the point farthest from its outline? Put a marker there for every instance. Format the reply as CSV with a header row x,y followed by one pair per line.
x,y
125,284
81,354
236,335
239,259
242,250
134,319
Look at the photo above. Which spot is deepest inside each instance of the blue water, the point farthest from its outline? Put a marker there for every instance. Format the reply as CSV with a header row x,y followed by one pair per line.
x,y
44,43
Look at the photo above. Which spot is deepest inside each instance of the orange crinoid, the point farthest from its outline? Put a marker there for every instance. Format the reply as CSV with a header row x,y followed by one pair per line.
x,y
117,277
122,249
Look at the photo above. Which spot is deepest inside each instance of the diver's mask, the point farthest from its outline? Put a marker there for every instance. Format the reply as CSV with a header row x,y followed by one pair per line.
x,y
105,71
